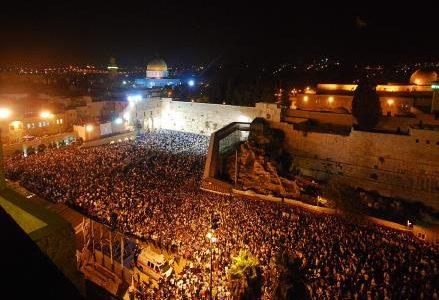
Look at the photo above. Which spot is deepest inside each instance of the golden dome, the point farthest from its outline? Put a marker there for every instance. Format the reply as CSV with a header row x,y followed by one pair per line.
x,y
423,77
157,64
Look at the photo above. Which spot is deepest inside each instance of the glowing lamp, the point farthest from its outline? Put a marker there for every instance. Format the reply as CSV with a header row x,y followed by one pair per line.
x,y
4,113
89,128
16,124
330,100
126,116
390,102
305,99
191,82
45,114
118,121
134,98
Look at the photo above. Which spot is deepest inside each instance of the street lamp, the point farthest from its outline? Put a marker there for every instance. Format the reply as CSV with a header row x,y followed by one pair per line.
x,y
45,114
5,113
212,239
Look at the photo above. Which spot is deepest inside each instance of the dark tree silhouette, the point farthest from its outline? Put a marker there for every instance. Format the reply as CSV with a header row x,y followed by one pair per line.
x,y
366,107
289,282
285,98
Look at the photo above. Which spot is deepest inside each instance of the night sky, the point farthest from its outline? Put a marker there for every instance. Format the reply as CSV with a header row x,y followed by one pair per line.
x,y
185,32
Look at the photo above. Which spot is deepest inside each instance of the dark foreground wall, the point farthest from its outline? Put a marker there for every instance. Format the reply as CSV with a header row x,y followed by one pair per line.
x,y
53,235
27,272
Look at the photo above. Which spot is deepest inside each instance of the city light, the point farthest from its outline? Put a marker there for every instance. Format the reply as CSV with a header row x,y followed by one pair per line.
x,y
16,124
124,82
4,113
330,100
89,128
191,82
45,114
390,102
211,237
118,121
305,98
134,98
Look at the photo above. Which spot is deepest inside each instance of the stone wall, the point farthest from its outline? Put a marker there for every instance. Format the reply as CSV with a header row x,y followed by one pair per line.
x,y
405,166
200,118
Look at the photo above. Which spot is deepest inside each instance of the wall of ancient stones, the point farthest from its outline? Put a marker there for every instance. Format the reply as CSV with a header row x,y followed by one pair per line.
x,y
201,118
405,166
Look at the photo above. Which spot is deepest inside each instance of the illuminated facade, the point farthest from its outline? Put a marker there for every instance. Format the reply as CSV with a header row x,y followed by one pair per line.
x,y
157,76
31,126
396,99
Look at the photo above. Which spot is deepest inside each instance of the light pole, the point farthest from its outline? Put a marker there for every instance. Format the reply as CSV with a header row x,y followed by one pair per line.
x,y
212,239
214,224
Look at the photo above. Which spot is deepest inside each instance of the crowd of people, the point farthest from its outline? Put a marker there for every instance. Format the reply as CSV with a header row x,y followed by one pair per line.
x,y
149,188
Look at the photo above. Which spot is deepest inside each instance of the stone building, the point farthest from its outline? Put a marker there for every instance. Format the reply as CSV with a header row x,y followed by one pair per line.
x,y
157,76
396,99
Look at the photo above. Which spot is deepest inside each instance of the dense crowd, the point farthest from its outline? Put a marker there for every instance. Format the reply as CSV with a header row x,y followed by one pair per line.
x,y
149,188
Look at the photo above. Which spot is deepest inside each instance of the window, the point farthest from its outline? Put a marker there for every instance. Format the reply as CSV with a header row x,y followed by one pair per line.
x,y
39,124
60,121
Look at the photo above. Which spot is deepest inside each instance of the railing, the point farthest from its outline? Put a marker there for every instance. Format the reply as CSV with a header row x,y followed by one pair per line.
x,y
221,142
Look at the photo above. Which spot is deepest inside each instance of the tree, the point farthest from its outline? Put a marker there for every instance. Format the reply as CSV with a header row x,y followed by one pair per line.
x,y
80,141
30,150
245,275
287,282
366,106
285,98
41,148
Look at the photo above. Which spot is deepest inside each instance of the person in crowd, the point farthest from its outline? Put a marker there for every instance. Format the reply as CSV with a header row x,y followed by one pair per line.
x,y
149,188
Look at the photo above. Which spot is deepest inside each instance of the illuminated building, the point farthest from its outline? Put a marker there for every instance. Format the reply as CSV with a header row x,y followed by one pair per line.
x,y
396,99
157,76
